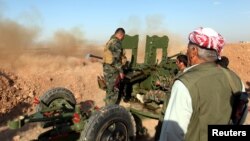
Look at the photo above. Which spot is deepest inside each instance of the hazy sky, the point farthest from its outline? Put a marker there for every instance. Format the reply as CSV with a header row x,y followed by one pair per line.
x,y
98,19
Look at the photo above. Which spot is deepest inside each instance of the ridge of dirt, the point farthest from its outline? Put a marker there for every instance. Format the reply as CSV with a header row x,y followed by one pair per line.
x,y
15,96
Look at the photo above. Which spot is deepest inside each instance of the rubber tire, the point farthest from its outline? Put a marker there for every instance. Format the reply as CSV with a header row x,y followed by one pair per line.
x,y
105,116
53,94
56,93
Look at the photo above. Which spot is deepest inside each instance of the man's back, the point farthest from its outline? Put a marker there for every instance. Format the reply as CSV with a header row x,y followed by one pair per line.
x,y
211,96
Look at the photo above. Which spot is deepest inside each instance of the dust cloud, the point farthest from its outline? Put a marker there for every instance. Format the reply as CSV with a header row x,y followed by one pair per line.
x,y
20,47
14,38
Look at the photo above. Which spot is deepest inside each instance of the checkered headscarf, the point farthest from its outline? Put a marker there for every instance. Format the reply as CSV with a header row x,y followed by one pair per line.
x,y
207,38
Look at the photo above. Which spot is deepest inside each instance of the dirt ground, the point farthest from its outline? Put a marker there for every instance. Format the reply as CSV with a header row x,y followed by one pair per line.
x,y
32,73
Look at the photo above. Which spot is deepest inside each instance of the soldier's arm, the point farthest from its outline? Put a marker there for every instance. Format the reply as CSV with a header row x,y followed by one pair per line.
x,y
116,50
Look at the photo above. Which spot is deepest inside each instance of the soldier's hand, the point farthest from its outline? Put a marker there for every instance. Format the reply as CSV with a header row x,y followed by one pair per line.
x,y
157,83
122,75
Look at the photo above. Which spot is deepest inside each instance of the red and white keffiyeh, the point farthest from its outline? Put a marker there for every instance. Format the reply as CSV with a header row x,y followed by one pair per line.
x,y
207,38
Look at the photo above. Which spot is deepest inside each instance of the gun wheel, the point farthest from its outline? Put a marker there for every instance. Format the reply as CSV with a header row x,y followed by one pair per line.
x,y
111,123
56,97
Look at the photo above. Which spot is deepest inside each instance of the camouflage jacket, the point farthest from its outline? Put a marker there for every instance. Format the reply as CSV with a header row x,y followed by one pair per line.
x,y
113,53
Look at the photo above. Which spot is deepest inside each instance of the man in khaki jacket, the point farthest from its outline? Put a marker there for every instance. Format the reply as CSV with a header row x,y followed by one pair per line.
x,y
201,95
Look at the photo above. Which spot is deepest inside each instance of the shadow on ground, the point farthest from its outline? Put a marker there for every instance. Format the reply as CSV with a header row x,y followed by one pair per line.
x,y
7,134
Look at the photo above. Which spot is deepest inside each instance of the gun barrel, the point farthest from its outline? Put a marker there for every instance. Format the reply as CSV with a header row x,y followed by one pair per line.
x,y
94,56
174,55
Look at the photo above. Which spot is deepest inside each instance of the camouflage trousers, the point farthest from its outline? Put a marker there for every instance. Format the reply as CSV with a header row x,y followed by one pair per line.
x,y
157,96
112,92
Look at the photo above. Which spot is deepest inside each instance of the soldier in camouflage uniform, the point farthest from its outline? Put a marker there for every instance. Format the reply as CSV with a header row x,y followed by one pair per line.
x,y
165,82
160,85
181,62
112,66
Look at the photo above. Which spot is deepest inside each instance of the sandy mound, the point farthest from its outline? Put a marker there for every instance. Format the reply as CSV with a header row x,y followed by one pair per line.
x,y
239,59
15,96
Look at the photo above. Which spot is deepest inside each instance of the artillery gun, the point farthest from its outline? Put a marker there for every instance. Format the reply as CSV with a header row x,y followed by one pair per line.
x,y
67,120
146,98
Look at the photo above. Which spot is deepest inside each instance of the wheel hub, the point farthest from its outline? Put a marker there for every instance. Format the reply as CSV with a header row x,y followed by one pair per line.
x,y
114,132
